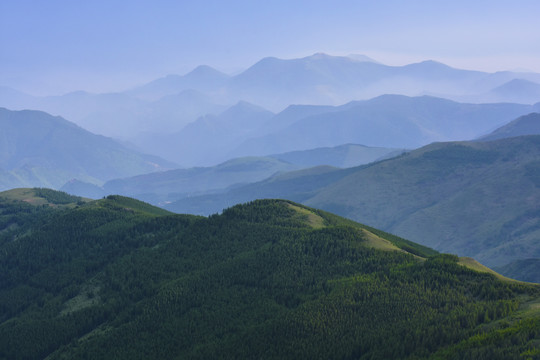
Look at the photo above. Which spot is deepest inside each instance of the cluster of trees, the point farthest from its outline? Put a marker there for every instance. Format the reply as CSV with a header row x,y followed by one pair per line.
x,y
108,280
57,197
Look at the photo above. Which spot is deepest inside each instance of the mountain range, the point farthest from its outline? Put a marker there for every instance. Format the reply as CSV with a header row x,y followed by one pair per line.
x,y
168,104
116,278
386,121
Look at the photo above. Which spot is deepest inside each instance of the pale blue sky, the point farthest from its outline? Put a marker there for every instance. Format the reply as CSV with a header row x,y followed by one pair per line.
x,y
55,46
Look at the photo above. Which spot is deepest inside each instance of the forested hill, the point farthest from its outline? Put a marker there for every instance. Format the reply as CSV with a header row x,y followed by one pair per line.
x,y
119,279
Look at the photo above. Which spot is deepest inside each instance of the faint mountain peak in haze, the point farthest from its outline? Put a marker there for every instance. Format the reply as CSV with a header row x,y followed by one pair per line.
x,y
243,107
434,69
362,58
205,72
202,78
519,90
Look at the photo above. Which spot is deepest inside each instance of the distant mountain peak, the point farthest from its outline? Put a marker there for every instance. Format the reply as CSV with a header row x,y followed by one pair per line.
x,y
244,107
362,58
431,64
518,84
320,55
205,71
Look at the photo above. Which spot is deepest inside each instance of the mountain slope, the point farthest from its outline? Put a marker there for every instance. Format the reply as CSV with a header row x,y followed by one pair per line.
x,y
297,186
525,269
271,279
343,156
38,149
524,125
444,195
168,186
476,199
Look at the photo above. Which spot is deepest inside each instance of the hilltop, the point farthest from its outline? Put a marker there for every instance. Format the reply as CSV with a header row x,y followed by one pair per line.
x,y
117,278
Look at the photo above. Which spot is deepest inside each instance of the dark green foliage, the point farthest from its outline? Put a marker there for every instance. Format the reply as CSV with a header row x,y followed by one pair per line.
x,y
456,154
112,280
56,197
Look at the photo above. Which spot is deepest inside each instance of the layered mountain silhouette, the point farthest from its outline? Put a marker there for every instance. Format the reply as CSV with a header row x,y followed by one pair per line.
x,y
167,186
207,140
273,84
203,78
386,121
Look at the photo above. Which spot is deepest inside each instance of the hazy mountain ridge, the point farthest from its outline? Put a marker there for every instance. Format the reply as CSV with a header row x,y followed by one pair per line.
x,y
167,186
174,184
272,83
117,278
386,121
206,140
202,78
38,149
343,156
524,125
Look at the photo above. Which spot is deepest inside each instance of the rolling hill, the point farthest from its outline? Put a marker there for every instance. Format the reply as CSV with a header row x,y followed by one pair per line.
x,y
119,279
37,149
475,199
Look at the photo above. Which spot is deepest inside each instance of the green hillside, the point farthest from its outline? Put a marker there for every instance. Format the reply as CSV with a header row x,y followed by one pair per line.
x,y
272,279
477,199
